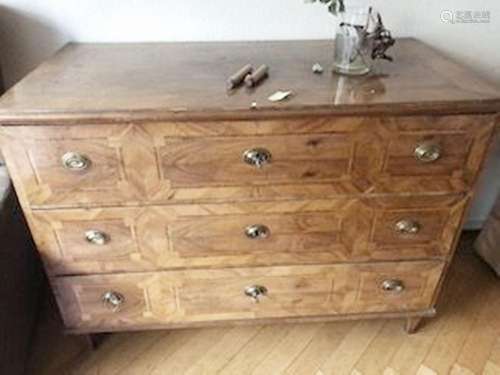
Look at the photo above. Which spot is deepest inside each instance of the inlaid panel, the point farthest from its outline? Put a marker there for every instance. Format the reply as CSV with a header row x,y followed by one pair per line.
x,y
203,162
299,232
37,168
300,158
455,149
148,299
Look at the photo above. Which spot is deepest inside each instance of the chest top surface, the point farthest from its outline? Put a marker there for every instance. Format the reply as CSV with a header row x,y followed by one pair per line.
x,y
176,80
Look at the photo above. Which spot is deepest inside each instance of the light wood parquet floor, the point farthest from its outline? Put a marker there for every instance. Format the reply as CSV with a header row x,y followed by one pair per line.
x,y
463,339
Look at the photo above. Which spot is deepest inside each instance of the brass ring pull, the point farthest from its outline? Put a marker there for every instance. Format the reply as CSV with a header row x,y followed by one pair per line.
x,y
96,237
408,227
428,152
257,157
113,300
256,292
74,161
393,286
256,232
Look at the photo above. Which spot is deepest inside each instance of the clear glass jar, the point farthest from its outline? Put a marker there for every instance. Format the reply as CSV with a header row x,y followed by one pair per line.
x,y
352,55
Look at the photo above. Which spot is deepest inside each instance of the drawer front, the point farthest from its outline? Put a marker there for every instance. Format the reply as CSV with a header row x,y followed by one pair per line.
x,y
247,160
102,165
124,301
246,234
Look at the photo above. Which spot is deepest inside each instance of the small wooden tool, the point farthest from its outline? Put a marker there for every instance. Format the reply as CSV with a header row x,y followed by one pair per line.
x,y
253,79
237,78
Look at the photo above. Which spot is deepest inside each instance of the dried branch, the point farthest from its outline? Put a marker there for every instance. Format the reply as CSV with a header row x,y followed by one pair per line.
x,y
378,41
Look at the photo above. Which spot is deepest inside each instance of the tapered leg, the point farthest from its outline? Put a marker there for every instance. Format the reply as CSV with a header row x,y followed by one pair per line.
x,y
412,324
94,340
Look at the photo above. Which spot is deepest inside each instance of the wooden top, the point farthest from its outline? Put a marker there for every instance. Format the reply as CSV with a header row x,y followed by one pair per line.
x,y
95,82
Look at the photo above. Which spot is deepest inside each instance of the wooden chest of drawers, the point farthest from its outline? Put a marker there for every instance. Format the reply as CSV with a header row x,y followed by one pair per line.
x,y
159,200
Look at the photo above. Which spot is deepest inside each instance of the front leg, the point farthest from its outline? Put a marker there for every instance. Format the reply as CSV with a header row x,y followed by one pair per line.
x,y
412,324
94,340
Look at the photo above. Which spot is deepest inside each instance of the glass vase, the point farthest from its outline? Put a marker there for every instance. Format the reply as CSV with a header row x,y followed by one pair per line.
x,y
352,55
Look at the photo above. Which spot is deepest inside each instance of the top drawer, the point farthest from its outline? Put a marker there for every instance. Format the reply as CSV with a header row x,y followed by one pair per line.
x,y
96,165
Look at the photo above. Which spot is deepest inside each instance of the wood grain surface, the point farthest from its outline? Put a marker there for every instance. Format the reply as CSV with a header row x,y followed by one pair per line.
x,y
184,80
215,295
194,236
168,186
464,338
203,162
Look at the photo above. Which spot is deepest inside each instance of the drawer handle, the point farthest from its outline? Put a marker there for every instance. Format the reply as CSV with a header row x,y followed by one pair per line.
x,y
393,286
113,300
96,237
74,161
257,157
428,152
256,232
408,227
256,292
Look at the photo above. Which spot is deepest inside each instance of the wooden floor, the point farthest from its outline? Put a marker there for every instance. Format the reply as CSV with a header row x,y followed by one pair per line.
x,y
463,339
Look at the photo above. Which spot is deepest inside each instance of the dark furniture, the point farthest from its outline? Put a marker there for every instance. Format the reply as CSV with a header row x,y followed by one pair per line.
x,y
20,280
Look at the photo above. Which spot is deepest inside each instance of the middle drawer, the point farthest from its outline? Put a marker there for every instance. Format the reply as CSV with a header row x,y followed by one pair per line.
x,y
91,241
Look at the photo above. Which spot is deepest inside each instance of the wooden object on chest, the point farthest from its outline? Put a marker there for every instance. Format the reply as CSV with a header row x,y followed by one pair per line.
x,y
157,199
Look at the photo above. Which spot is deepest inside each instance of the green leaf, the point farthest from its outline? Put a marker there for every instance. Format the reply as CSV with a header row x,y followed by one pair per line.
x,y
334,6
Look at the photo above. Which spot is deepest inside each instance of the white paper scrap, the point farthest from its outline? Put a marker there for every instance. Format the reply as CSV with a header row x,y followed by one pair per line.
x,y
279,96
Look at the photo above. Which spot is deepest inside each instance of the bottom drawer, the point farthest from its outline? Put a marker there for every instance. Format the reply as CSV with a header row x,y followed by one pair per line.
x,y
142,300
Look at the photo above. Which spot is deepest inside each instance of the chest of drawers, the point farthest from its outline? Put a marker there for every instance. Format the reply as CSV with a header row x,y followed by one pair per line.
x,y
158,200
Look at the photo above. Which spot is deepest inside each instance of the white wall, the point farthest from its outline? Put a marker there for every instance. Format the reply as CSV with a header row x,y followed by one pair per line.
x,y
477,46
31,30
